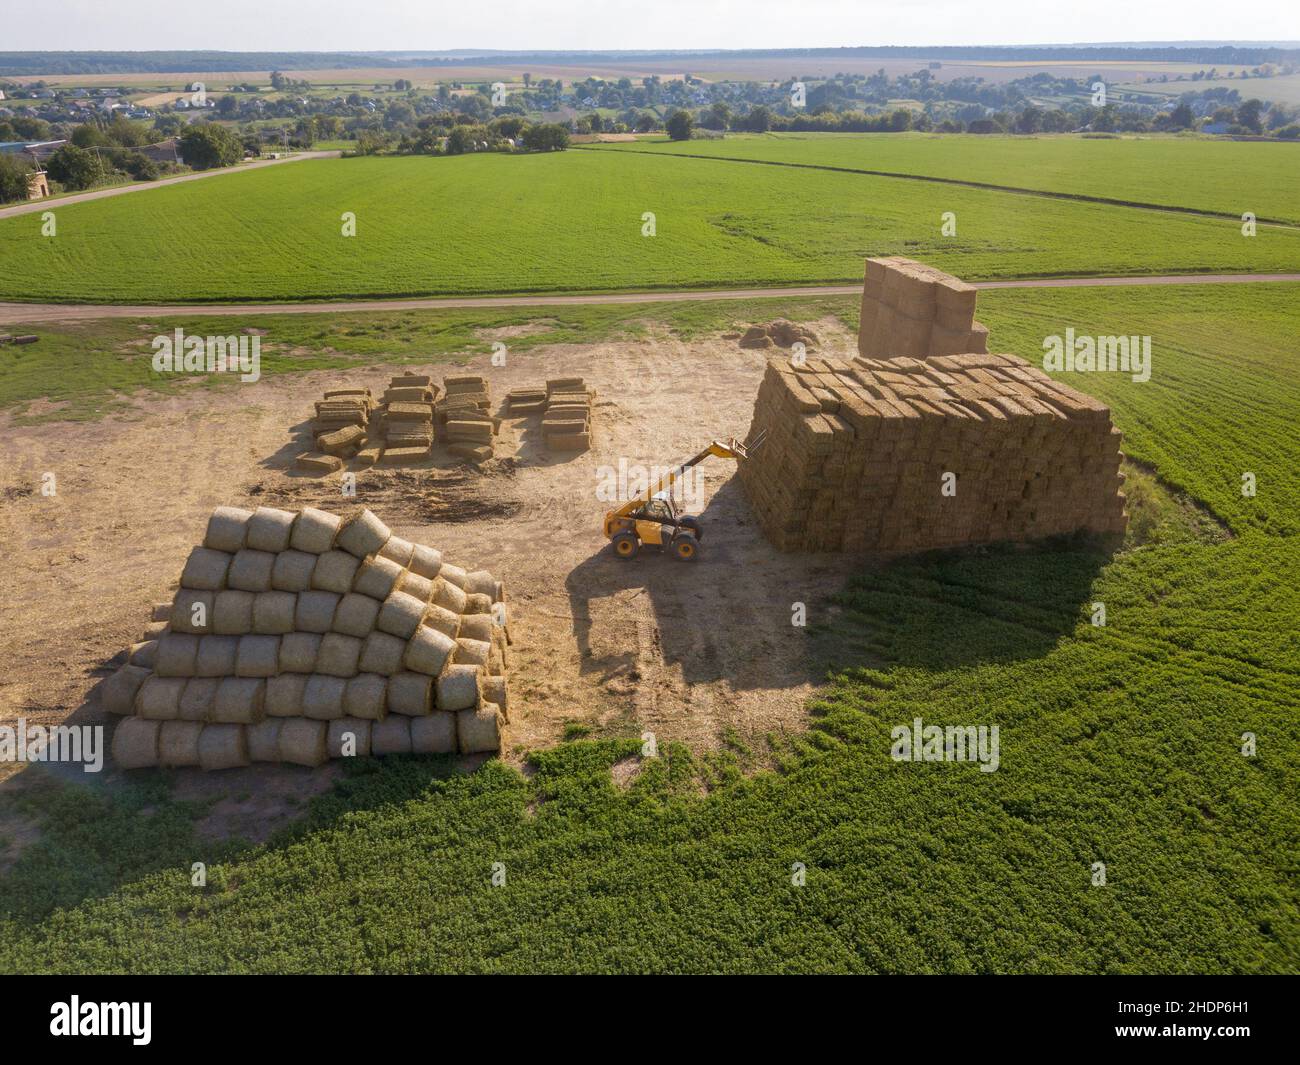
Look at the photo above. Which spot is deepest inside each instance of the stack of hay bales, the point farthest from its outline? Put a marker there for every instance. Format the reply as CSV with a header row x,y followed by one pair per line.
x,y
856,455
407,422
297,637
566,421
340,429
465,419
526,400
909,308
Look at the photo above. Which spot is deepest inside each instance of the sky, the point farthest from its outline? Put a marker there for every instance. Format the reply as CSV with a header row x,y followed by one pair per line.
x,y
343,25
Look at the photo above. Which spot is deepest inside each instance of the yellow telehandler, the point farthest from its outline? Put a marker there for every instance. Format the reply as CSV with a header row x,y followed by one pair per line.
x,y
651,517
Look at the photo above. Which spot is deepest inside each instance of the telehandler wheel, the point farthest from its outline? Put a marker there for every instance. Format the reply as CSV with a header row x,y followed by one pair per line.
x,y
694,526
685,547
625,545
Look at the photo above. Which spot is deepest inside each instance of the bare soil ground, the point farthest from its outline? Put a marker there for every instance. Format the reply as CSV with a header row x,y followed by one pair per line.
x,y
691,652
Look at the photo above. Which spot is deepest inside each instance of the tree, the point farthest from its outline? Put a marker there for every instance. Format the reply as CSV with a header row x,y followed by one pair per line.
x,y
460,140
14,172
1181,117
550,136
645,122
679,125
1248,114
207,146
74,168
759,119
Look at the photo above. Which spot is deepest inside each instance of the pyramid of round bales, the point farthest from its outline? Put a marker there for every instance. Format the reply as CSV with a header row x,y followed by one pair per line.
x,y
303,636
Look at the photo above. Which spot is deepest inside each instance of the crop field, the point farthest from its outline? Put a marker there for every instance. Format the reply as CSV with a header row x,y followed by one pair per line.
x,y
1120,744
573,221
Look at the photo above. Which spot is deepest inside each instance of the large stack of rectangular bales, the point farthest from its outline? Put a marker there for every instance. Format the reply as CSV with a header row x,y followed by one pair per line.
x,y
465,418
909,308
297,637
566,418
339,428
407,419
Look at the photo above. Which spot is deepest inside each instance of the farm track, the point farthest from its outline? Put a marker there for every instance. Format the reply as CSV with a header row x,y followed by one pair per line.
x,y
30,313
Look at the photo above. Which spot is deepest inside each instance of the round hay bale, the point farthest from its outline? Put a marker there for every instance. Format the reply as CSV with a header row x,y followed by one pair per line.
x,y
435,734
119,691
223,747
292,571
161,612
398,550
400,615
250,571
366,696
334,572
299,651
377,577
363,534
454,575
144,653
156,628
186,615
284,695
178,743
480,582
356,615
216,657
269,529
258,656
302,742
348,737
414,585
448,596
198,699
475,627
315,611
263,740
442,619
226,529
426,561
314,531
477,603
497,690
472,652
177,653
391,736
273,612
206,569
239,701
428,651
381,653
135,743
478,730
339,655
322,697
459,688
410,694
232,613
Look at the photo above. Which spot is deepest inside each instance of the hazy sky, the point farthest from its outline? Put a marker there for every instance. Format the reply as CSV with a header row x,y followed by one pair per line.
x,y
339,25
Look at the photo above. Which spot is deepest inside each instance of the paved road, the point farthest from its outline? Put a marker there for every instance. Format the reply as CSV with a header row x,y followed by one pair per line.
x,y
31,313
32,206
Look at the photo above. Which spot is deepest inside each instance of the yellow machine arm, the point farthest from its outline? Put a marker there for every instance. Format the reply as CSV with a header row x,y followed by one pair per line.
x,y
731,449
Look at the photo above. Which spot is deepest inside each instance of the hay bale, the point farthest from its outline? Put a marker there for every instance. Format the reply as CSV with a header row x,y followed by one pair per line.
x,y
216,657
144,653
299,651
415,585
398,550
232,613
363,534
334,572
322,697
302,742
426,561
435,734
339,655
478,603
119,691
377,577
356,615
161,612
366,696
459,688
428,651
178,743
135,743
315,611
206,569
292,571
186,618
476,627
177,653
497,690
480,582
258,656
410,694
284,695
269,529
400,615
442,619
314,531
226,529
239,700
263,740
342,442
381,653
223,747
155,629
348,737
391,736
198,699
478,730
449,596
273,612
318,464
473,652
250,570
453,575
159,698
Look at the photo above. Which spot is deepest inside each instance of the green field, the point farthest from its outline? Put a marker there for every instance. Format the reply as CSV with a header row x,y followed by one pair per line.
x,y
1119,745
572,221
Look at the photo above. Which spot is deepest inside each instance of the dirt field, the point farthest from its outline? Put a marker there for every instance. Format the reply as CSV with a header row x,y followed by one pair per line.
x,y
688,651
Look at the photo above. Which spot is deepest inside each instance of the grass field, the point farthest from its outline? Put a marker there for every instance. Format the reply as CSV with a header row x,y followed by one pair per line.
x,y
572,221
1120,745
